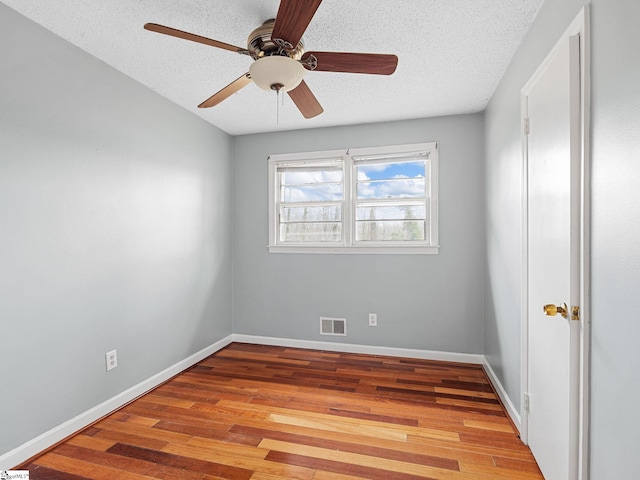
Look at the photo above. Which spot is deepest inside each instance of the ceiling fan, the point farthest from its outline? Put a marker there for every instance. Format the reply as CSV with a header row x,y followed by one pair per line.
x,y
280,60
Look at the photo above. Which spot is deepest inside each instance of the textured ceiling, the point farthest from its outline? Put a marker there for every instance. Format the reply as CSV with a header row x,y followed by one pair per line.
x,y
452,54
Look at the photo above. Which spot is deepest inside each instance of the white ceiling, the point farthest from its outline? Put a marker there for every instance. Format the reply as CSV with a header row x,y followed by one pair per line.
x,y
452,54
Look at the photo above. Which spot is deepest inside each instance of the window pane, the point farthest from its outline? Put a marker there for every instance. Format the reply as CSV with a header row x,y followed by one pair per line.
x,y
326,213
403,212
391,180
390,230
302,175
393,188
311,185
310,232
328,192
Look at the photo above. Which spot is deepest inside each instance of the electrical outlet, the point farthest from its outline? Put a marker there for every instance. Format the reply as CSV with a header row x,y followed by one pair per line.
x,y
373,319
111,359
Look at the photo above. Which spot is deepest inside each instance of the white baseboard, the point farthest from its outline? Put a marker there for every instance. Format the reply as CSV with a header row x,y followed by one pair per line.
x,y
368,349
31,448
502,393
59,433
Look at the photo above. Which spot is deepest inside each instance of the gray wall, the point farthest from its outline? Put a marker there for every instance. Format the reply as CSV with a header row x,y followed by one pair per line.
x,y
615,230
115,231
429,302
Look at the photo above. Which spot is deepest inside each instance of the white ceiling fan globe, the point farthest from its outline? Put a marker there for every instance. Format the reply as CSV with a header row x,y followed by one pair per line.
x,y
277,73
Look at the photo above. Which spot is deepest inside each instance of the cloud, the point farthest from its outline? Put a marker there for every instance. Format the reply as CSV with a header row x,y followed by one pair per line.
x,y
398,187
313,186
375,167
318,185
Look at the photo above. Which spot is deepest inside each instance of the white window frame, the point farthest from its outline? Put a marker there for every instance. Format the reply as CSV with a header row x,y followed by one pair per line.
x,y
349,159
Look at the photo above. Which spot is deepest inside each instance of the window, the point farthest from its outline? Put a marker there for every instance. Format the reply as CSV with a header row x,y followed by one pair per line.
x,y
365,200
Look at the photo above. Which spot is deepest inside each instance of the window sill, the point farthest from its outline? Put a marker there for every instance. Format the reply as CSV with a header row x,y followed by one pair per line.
x,y
357,250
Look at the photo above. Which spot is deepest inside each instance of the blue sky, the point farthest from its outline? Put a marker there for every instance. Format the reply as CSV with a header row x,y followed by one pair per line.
x,y
391,180
404,180
393,170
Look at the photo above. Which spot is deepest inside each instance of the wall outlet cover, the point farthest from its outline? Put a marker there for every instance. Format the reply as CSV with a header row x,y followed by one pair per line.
x,y
112,359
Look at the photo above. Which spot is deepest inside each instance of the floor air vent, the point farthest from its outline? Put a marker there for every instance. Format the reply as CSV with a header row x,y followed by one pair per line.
x,y
333,326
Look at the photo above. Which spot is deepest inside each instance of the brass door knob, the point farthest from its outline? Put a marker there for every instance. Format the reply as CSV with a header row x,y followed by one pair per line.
x,y
552,310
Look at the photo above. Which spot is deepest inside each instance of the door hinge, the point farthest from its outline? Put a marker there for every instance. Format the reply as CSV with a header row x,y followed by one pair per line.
x,y
575,313
526,402
526,126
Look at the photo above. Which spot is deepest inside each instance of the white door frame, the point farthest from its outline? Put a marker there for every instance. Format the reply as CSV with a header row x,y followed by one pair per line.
x,y
580,27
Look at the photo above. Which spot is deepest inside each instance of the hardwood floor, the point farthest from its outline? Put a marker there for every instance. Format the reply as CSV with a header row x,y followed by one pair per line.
x,y
272,413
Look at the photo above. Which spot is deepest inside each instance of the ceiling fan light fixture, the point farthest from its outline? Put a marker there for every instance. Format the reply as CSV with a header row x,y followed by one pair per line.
x,y
276,73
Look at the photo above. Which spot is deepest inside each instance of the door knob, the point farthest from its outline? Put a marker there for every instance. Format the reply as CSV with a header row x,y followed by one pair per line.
x,y
552,310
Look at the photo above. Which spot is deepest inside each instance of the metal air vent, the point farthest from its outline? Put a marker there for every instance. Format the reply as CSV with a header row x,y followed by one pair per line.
x,y
333,326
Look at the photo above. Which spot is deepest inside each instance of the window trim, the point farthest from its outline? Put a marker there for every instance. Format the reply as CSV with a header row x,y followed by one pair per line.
x,y
349,245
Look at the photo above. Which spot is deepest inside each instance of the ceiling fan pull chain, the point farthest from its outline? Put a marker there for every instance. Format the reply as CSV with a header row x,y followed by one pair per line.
x,y
278,107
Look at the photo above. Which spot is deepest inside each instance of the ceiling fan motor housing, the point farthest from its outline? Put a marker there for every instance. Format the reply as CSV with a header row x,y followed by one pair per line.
x,y
260,44
275,68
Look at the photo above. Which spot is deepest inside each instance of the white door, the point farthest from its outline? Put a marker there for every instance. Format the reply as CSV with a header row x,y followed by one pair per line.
x,y
553,143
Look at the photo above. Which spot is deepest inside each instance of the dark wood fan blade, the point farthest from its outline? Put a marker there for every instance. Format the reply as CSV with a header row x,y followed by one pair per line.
x,y
292,20
372,63
226,92
306,101
174,32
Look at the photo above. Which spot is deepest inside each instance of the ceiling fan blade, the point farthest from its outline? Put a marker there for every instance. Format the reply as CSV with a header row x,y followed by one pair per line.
x,y
226,92
174,32
306,101
292,20
372,63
